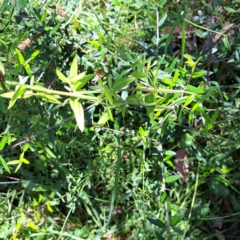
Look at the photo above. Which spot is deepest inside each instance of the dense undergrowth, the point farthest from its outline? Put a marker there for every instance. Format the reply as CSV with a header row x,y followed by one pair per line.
x,y
119,119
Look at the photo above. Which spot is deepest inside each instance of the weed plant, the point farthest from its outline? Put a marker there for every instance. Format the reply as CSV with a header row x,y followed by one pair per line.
x,y
117,122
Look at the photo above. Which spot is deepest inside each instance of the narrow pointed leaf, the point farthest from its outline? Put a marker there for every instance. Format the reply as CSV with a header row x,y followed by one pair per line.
x,y
3,142
61,76
20,57
35,54
189,100
108,94
50,98
20,91
74,68
156,222
4,164
55,28
77,78
81,82
13,162
118,84
78,112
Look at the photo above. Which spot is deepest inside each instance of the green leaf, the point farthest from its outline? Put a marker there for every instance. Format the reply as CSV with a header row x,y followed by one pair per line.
x,y
110,114
51,135
156,222
27,68
20,57
139,75
208,126
23,62
50,98
116,75
32,225
13,162
78,112
215,115
35,54
218,186
118,84
169,153
172,67
175,77
21,4
44,15
24,160
3,142
61,76
181,100
168,81
3,6
109,95
4,164
20,91
173,178
77,78
195,106
198,74
162,19
226,43
188,100
26,147
186,141
150,98
17,168
192,89
176,219
81,82
189,61
74,68
55,28
162,2
103,119
49,152
141,132
229,9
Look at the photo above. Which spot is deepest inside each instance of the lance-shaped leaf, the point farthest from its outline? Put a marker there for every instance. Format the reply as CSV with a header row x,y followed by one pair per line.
x,y
4,164
109,95
50,98
78,112
22,61
73,68
80,82
20,91
61,76
123,82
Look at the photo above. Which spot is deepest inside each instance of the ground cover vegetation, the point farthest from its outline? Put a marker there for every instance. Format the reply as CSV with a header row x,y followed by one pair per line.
x,y
119,119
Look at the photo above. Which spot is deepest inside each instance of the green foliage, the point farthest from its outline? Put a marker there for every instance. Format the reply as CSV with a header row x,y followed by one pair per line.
x,y
111,129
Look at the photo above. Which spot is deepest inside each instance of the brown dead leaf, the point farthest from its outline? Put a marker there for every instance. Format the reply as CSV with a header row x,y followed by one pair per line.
x,y
227,204
219,235
217,223
181,164
204,228
221,33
